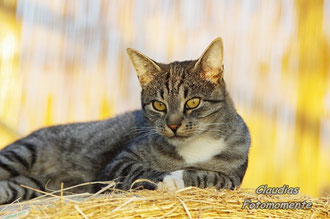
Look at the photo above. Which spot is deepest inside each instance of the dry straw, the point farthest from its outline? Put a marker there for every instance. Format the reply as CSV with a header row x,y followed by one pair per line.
x,y
189,202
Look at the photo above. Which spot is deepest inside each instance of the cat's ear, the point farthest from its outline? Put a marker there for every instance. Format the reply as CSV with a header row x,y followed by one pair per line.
x,y
211,62
145,67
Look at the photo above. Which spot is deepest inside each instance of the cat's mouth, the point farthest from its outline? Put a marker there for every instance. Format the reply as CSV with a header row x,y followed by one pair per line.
x,y
177,139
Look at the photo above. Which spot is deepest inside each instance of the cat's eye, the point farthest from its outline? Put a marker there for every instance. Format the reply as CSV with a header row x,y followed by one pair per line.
x,y
193,103
159,106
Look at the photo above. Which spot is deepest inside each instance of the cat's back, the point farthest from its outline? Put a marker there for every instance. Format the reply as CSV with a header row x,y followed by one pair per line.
x,y
79,147
96,136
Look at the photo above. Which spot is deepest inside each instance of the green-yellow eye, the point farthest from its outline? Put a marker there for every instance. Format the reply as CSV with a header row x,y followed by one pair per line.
x,y
192,103
160,106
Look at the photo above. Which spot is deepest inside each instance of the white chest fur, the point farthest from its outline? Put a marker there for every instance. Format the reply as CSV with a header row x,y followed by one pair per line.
x,y
201,149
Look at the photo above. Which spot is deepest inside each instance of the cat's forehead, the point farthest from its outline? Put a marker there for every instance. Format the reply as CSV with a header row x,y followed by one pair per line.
x,y
176,76
178,80
178,66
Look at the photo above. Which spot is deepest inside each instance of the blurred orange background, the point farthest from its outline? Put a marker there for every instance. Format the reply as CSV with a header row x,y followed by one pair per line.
x,y
65,61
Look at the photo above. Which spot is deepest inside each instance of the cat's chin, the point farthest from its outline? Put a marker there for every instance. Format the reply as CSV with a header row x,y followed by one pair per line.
x,y
178,140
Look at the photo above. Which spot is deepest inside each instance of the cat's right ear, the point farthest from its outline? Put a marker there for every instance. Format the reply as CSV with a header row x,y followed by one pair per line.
x,y
145,67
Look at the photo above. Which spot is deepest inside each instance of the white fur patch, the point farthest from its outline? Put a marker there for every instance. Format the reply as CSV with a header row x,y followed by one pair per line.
x,y
172,182
201,149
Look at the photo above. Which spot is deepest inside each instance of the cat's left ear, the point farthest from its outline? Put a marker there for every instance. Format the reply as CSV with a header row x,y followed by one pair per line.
x,y
211,62
145,67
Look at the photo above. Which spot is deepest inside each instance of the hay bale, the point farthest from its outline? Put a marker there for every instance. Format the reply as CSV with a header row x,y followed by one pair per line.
x,y
187,203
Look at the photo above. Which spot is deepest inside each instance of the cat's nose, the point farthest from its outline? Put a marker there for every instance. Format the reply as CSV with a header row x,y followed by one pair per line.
x,y
174,127
174,121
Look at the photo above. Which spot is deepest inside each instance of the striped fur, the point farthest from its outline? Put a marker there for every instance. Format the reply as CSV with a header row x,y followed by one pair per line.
x,y
209,146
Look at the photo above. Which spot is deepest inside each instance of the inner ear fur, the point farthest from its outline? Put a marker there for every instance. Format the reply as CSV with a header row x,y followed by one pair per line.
x,y
211,62
145,67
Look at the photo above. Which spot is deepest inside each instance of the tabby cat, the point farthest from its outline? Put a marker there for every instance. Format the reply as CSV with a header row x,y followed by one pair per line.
x,y
188,133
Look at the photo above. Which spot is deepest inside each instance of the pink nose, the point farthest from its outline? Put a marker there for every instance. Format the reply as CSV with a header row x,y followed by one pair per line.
x,y
174,127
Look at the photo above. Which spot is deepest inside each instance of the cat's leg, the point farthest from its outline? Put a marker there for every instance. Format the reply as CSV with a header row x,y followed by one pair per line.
x,y
125,170
197,178
11,189
17,159
204,178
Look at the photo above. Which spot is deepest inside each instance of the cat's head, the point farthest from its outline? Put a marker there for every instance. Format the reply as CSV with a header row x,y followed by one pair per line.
x,y
182,100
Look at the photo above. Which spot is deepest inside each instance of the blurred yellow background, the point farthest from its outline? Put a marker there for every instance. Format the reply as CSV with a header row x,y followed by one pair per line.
x,y
65,61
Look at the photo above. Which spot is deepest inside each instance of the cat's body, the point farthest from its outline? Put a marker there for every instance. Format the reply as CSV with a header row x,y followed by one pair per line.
x,y
187,134
71,154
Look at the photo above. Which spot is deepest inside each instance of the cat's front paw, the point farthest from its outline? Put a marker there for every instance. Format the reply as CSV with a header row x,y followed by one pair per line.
x,y
172,182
